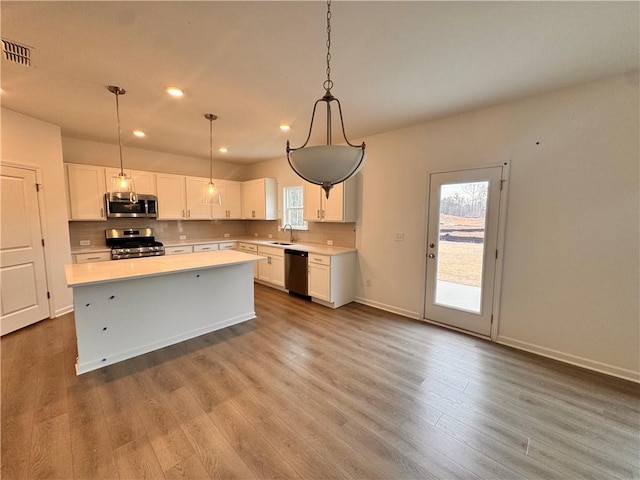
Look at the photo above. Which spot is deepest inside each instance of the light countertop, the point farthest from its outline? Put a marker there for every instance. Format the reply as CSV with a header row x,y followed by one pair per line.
x,y
101,272
306,247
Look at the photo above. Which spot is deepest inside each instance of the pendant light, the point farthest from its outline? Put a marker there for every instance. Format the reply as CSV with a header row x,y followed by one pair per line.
x,y
122,189
327,165
211,191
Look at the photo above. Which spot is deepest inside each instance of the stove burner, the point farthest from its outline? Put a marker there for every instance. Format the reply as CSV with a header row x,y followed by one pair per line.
x,y
132,243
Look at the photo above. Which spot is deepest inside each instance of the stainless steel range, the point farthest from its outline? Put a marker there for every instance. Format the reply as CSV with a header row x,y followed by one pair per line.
x,y
132,243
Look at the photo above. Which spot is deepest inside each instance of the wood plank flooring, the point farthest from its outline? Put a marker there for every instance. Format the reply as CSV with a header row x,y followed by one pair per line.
x,y
307,392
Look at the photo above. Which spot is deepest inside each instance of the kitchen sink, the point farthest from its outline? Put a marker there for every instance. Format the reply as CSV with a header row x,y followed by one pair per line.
x,y
280,243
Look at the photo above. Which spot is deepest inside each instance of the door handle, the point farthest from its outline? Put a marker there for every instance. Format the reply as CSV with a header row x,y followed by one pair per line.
x,y
431,255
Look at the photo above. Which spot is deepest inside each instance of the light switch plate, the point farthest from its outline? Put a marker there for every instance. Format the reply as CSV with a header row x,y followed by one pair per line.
x,y
399,236
85,243
183,237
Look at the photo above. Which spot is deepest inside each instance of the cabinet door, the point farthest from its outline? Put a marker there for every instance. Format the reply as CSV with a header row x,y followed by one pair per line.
x,y
220,211
196,209
205,247
312,202
249,199
86,192
277,271
171,196
332,207
320,281
232,202
144,182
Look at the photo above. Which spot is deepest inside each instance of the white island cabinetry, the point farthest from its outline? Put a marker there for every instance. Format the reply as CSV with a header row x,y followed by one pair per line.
x,y
126,308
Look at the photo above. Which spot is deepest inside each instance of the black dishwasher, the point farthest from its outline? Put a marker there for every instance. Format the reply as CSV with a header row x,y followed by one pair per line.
x,y
295,272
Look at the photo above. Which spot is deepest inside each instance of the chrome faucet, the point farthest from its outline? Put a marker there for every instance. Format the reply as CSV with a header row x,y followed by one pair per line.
x,y
284,229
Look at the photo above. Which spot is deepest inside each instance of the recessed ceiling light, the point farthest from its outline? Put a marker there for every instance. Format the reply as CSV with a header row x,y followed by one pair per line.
x,y
223,149
139,133
174,91
285,128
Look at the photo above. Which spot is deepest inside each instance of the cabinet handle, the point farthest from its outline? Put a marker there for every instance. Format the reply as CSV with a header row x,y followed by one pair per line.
x,y
102,212
269,260
93,258
318,214
188,213
183,213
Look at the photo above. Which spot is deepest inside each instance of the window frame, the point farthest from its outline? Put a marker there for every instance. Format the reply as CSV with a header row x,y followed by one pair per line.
x,y
286,207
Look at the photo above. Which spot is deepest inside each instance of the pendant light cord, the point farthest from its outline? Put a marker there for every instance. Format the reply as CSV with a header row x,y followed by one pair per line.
x,y
211,150
328,83
117,93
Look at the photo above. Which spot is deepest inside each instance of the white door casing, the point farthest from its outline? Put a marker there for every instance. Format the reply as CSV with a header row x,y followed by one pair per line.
x,y
450,298
23,298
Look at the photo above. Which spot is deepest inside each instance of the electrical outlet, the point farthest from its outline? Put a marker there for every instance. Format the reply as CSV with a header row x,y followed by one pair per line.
x,y
329,242
85,243
270,236
399,236
255,234
368,282
226,235
183,237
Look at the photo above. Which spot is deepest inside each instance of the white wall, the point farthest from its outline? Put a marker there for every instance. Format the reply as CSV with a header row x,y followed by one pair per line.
x,y
97,153
571,261
28,141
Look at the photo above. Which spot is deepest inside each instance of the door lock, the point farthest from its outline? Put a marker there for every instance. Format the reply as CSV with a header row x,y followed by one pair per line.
x,y
431,255
432,245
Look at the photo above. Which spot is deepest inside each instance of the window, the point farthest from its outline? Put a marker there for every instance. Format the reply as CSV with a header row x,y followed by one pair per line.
x,y
293,214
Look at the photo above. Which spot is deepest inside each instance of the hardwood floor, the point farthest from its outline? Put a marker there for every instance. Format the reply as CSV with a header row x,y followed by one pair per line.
x,y
307,392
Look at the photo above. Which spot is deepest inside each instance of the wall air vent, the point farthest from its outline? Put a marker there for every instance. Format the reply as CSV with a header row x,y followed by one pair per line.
x,y
16,53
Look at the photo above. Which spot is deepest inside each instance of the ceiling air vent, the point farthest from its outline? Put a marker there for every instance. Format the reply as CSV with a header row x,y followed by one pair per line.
x,y
16,53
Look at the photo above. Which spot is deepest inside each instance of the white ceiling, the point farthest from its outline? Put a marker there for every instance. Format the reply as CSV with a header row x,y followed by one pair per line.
x,y
259,64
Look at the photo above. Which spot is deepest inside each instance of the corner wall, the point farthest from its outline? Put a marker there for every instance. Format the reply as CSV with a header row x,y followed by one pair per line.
x,y
28,141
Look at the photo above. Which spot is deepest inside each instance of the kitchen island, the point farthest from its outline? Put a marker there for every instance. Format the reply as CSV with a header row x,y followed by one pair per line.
x,y
125,308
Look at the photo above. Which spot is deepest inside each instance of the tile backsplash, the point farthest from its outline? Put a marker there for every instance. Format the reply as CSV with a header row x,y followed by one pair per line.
x,y
169,231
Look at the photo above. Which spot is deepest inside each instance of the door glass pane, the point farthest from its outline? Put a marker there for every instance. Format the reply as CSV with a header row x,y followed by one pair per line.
x,y
460,253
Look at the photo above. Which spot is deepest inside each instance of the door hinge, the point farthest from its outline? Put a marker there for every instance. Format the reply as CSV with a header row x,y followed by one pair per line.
x,y
48,295
496,253
492,319
502,184
38,187
42,240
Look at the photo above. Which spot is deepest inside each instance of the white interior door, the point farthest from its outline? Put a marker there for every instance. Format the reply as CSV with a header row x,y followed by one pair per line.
x,y
23,298
462,238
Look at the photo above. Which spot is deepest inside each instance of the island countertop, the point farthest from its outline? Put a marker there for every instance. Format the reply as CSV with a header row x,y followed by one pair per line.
x,y
116,270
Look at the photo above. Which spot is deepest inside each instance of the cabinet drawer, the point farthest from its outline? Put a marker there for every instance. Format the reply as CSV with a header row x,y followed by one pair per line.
x,y
271,251
178,250
227,245
319,259
206,247
93,257
248,247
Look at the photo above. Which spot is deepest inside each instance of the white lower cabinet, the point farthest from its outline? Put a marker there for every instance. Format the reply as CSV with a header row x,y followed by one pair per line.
x,y
92,257
252,249
332,278
271,270
178,250
227,245
205,247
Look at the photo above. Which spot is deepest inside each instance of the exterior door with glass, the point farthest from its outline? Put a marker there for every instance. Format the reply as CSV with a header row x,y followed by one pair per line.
x,y
462,239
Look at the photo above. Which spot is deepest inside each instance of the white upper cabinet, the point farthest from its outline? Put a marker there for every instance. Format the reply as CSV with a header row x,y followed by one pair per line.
x,y
143,182
196,209
171,196
339,207
86,189
260,199
231,193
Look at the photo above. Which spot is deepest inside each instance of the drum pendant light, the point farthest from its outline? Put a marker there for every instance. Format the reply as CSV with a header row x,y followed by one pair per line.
x,y
122,189
327,165
211,191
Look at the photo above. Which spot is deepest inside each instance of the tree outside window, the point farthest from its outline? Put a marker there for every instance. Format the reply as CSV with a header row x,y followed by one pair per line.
x,y
293,211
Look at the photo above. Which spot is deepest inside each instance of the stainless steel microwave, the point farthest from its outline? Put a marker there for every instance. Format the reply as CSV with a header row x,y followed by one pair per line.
x,y
121,206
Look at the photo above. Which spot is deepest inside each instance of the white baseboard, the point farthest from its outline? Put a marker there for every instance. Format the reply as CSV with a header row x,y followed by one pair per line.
x,y
389,308
599,367
63,311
